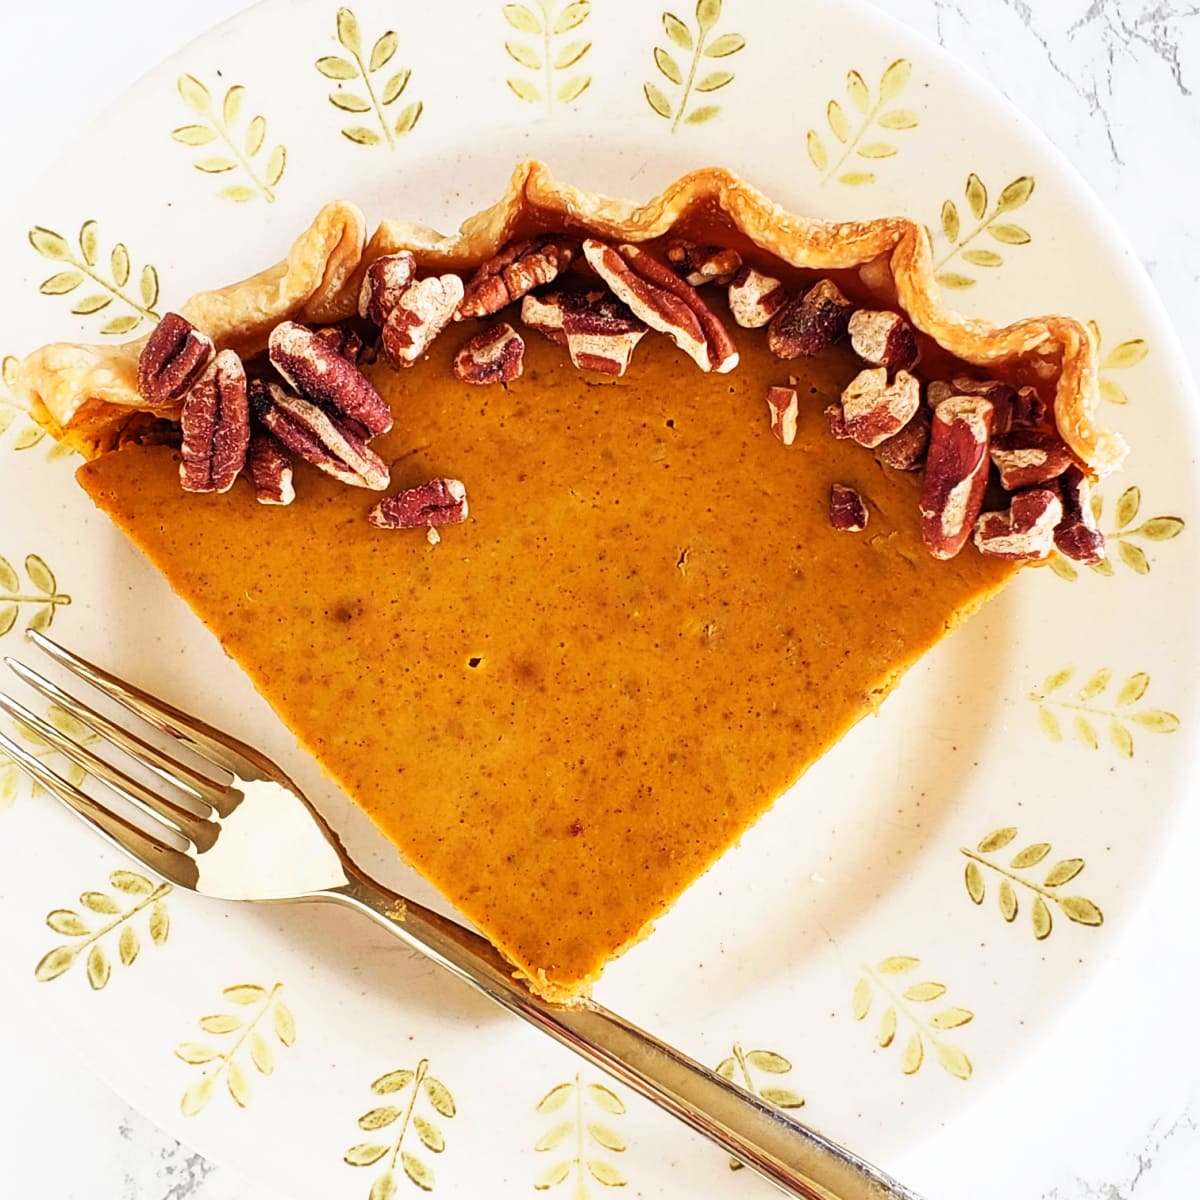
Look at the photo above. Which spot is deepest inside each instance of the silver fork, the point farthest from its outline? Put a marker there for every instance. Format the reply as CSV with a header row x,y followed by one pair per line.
x,y
228,855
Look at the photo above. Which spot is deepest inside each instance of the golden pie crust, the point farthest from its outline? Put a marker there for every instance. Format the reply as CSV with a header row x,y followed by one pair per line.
x,y
85,394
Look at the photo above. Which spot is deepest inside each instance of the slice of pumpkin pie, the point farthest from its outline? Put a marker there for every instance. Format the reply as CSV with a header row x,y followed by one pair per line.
x,y
567,543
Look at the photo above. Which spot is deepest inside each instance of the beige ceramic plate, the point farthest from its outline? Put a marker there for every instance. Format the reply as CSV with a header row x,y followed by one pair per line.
x,y
902,926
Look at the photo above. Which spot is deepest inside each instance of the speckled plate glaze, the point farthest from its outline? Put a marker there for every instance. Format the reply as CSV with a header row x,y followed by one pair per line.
x,y
908,919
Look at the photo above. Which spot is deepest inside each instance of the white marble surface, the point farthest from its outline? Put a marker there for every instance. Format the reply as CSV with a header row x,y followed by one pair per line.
x,y
1109,1108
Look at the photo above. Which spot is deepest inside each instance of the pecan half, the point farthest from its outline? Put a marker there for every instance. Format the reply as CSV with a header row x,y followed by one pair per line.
x,y
600,333
497,355
514,272
326,441
754,298
435,502
873,409
215,422
1025,530
383,285
343,341
810,321
703,264
1078,536
320,374
665,302
905,451
1026,457
172,360
884,339
270,469
956,472
847,511
420,314
784,407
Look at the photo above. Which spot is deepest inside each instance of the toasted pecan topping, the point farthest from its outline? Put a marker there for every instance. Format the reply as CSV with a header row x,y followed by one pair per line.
x,y
784,408
1024,531
342,340
847,511
905,451
496,355
515,272
216,427
270,469
1077,535
883,339
600,333
874,410
956,470
172,359
384,283
1026,457
754,298
421,313
435,502
810,321
703,264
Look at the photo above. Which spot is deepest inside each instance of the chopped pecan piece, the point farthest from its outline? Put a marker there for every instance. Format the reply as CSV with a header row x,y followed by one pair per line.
x,y
884,339
343,341
1078,536
703,264
784,407
435,502
600,333
421,313
496,355
847,511
320,374
956,471
1025,530
665,302
905,451
810,321
873,409
516,271
1027,409
1014,409
328,442
270,469
754,298
172,360
215,422
1026,457
836,422
383,284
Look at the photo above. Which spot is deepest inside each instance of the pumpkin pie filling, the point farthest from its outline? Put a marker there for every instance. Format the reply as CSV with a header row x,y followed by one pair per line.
x,y
645,629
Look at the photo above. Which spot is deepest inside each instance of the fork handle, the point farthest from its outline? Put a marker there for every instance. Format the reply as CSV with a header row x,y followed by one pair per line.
x,y
799,1160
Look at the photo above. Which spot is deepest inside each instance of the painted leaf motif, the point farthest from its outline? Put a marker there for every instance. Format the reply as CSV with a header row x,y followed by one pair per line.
x,y
148,286
160,923
974,880
553,1136
1081,910
769,1061
727,1068
606,1098
237,1083
1010,235
348,32
91,304
816,150
8,617
570,54
606,1137
195,1053
1086,732
333,67
876,150
198,1095
898,964
953,1060
98,902
895,79
887,1027
439,1096
89,242
1008,901
838,121
1030,856
417,1171
708,13
1160,529
1134,557
1015,194
976,194
601,1171
394,87
1121,739
378,1118
54,963
365,1154
951,1018
62,283
260,1054
119,325
393,1081
408,116
997,839
725,45
1063,872
68,923
914,1055
1127,354
431,1137
1156,720
522,54
714,81
553,1177
954,280
899,118
1040,916
857,90
1095,684
861,1002
572,16
522,18
348,102
128,945
782,1097
384,50
574,88
244,993
928,990
220,1023
195,94
231,107
10,581
362,136
667,65
384,1188
678,32
98,967
654,97
48,243
983,258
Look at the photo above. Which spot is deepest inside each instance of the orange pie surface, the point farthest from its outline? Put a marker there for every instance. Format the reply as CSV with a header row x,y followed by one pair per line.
x,y
646,630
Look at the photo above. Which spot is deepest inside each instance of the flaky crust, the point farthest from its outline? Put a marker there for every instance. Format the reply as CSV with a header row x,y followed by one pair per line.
x,y
85,394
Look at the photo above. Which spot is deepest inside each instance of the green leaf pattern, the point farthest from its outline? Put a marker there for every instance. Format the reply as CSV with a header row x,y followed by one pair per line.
x,y
585,1129
737,1069
383,84
39,597
1122,357
552,58
1126,540
962,233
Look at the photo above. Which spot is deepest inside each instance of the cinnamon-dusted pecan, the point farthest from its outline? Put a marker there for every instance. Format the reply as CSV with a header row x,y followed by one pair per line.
x,y
515,272
873,409
754,298
703,264
847,511
496,355
956,471
1025,530
810,321
215,422
320,374
905,451
421,313
1078,536
600,333
1026,457
172,360
383,285
327,442
665,302
784,408
435,502
883,339
270,469
344,341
